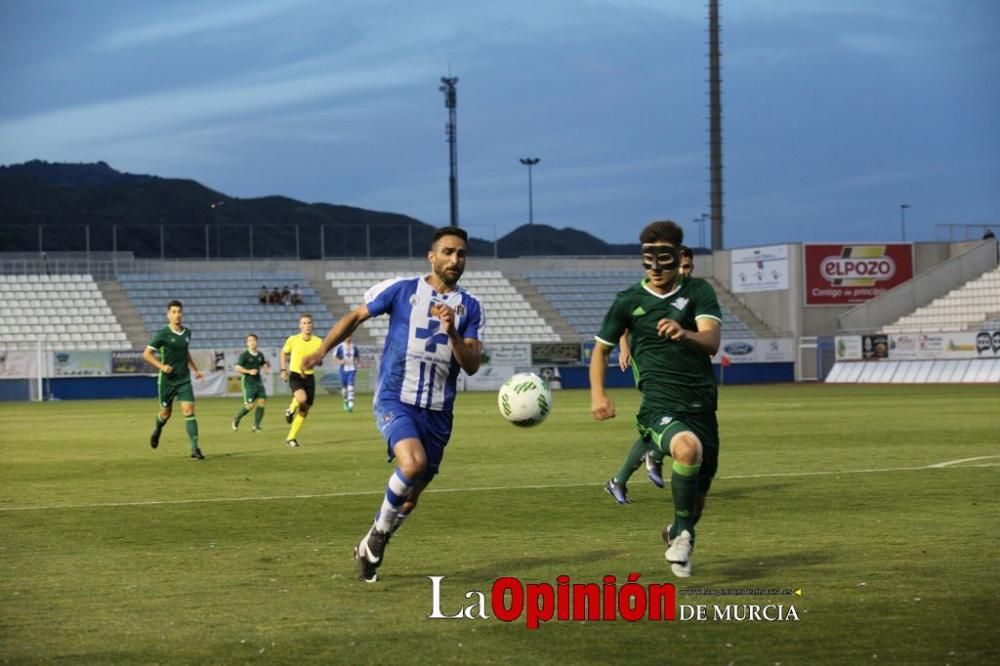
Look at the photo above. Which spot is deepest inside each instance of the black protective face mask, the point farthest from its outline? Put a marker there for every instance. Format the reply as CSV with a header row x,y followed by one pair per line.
x,y
660,257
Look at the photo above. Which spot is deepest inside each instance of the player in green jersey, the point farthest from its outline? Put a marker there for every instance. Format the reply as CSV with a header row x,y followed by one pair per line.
x,y
674,322
170,344
654,459
250,365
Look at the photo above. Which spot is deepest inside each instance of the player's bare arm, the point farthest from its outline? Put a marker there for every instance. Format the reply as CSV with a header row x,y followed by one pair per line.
x,y
468,351
602,407
338,333
707,338
624,352
150,356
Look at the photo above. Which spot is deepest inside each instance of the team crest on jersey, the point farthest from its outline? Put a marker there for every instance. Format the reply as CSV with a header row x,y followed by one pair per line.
x,y
680,303
460,310
666,420
414,299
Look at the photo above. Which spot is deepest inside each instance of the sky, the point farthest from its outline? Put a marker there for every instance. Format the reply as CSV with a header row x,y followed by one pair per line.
x,y
836,112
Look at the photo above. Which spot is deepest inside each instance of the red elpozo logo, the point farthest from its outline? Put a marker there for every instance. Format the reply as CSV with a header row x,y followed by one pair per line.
x,y
846,274
858,266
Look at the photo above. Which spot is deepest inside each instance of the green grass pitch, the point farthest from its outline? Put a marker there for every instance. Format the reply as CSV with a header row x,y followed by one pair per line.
x,y
881,503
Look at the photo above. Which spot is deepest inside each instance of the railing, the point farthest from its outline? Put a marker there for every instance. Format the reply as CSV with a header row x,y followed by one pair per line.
x,y
236,241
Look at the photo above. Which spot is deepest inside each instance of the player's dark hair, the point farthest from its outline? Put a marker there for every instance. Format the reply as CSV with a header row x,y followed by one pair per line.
x,y
252,335
304,315
458,232
687,253
175,303
662,232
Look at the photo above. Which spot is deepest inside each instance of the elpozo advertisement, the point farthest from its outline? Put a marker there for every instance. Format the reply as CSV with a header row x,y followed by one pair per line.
x,y
851,273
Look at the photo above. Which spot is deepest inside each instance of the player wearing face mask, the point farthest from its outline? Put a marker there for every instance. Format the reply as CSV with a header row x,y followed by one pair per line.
x,y
674,324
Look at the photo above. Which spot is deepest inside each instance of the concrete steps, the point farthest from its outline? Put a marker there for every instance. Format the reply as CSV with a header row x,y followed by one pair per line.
x,y
742,312
125,313
334,302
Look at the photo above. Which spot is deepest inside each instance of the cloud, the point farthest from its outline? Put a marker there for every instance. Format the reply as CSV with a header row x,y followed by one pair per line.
x,y
198,107
169,29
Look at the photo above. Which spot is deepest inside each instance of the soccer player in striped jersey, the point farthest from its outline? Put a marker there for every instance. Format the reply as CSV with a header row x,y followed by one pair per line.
x,y
347,355
434,331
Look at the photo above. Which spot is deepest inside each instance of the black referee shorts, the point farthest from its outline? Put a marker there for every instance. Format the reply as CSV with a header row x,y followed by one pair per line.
x,y
305,382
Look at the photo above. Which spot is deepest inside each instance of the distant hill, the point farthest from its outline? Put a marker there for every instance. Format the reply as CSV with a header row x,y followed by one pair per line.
x,y
127,211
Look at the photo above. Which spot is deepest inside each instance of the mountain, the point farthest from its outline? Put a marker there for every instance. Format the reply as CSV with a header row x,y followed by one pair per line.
x,y
180,218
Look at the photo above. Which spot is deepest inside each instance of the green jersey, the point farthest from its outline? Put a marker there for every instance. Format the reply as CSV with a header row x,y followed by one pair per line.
x,y
673,376
249,361
173,350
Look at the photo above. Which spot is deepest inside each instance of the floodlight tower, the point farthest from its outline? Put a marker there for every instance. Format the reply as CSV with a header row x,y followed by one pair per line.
x,y
530,162
450,101
715,122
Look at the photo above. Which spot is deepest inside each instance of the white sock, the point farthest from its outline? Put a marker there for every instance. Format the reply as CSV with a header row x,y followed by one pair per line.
x,y
396,491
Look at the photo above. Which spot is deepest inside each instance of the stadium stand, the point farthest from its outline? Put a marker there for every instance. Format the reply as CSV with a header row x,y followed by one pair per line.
x,y
970,306
582,298
221,308
510,318
959,371
64,312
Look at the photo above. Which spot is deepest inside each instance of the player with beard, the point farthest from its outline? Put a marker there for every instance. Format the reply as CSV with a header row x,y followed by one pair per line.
x,y
434,331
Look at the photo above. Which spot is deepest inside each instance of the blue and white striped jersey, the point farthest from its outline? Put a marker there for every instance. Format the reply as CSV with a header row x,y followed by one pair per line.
x,y
418,367
348,353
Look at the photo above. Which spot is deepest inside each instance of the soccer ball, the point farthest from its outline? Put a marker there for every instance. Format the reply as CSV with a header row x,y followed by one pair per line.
x,y
525,399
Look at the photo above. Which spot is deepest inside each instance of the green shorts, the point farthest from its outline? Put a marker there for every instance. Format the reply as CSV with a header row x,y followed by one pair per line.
x,y
253,391
659,427
168,391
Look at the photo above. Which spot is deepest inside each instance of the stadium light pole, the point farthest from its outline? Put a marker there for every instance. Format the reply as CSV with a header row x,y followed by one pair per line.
x,y
451,130
902,219
530,162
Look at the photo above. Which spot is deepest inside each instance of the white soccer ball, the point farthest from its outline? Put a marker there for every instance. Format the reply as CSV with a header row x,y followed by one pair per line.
x,y
525,399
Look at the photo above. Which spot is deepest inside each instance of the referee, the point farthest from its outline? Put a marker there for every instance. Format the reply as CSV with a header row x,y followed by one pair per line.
x,y
301,382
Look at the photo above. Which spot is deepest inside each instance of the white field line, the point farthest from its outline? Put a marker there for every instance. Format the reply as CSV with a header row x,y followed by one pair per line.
x,y
948,464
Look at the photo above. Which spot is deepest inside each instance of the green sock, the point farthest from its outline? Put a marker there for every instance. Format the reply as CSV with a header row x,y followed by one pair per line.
x,y
158,427
258,417
684,489
632,461
191,425
239,417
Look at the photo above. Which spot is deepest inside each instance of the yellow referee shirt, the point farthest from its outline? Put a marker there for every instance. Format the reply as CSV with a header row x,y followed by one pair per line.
x,y
299,348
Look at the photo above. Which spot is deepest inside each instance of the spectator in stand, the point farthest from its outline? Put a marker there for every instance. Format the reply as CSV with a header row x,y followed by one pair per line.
x,y
286,296
296,295
263,294
275,298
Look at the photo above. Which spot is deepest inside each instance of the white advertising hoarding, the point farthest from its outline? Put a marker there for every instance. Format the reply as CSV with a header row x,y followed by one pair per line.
x,y
759,268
